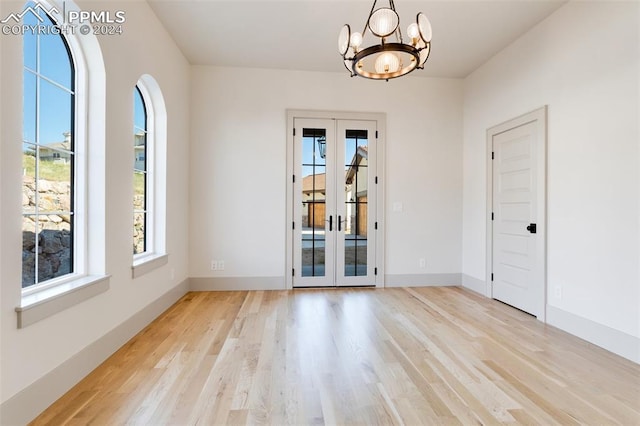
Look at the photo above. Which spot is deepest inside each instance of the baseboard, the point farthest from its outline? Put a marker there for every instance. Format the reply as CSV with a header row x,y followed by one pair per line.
x,y
31,401
474,284
236,283
422,280
623,344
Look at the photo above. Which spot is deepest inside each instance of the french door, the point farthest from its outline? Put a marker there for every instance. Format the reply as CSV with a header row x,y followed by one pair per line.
x,y
334,202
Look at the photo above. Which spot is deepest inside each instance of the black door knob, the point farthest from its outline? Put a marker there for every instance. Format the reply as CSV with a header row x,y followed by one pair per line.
x,y
532,228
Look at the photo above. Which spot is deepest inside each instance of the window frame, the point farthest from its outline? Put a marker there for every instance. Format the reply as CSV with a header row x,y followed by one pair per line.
x,y
89,278
155,254
78,248
149,177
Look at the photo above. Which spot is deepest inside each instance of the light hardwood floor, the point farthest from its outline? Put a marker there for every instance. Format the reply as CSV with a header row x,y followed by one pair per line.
x,y
393,356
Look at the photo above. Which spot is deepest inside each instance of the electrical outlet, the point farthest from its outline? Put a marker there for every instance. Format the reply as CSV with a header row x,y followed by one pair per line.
x,y
220,265
557,292
422,262
214,265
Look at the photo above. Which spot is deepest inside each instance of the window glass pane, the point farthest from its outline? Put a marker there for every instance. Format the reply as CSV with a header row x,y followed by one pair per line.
x,y
356,187
139,175
29,107
314,218
29,250
54,180
361,258
54,58
140,150
28,178
350,150
139,238
29,41
55,116
139,111
55,248
139,193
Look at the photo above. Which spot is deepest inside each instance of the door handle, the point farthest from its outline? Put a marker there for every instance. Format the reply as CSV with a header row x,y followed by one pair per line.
x,y
330,223
339,223
532,228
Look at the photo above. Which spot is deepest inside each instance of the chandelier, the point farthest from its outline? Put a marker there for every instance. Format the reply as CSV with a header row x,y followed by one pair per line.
x,y
392,57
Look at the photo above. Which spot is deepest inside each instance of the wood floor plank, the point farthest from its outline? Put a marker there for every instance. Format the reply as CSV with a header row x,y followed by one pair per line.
x,y
401,356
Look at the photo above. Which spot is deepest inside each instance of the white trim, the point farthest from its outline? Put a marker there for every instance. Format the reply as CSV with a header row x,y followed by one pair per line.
x,y
540,273
380,119
474,284
145,264
422,280
35,398
237,283
618,342
45,303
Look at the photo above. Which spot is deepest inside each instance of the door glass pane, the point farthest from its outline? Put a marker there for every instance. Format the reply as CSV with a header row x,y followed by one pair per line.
x,y
314,216
355,198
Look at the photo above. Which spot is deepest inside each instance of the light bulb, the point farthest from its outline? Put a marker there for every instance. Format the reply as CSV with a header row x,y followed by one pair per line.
x,y
356,40
412,31
387,63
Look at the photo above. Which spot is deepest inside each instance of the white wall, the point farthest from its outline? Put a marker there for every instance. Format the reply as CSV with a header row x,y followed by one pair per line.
x,y
28,354
582,62
238,165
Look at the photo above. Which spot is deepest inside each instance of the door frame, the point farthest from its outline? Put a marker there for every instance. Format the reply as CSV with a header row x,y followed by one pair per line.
x,y
539,116
380,119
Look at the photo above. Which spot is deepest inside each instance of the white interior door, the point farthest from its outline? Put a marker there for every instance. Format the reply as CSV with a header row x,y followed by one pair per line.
x,y
518,219
334,203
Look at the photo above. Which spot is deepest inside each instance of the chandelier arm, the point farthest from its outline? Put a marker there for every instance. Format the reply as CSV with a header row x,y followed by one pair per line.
x,y
366,24
399,32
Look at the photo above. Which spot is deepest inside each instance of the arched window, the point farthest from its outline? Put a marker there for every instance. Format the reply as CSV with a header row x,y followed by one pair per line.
x,y
49,155
142,184
149,176
63,163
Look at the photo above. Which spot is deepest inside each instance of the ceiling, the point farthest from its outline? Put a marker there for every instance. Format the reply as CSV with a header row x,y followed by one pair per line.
x,y
302,34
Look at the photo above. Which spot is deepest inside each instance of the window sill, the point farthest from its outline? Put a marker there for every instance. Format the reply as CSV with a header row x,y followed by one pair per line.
x,y
45,303
146,264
